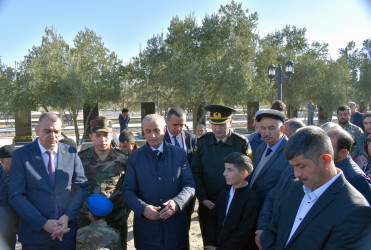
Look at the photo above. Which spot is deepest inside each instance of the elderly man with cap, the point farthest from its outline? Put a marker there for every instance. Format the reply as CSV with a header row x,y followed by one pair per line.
x,y
105,168
98,235
208,159
8,217
269,159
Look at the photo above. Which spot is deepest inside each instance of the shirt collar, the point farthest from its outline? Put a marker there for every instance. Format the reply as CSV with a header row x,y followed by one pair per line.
x,y
319,191
275,146
43,150
161,148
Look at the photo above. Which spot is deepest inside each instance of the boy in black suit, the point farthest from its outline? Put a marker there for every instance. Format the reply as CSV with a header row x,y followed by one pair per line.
x,y
232,220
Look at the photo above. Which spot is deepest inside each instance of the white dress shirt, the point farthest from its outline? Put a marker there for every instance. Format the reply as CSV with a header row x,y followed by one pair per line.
x,y
308,201
179,138
46,156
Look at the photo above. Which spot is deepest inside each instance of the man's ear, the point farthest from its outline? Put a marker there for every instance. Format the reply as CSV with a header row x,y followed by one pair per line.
x,y
343,152
282,128
326,160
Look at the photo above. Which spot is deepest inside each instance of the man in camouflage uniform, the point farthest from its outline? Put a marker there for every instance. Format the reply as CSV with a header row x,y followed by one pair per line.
x,y
208,160
105,168
343,115
98,235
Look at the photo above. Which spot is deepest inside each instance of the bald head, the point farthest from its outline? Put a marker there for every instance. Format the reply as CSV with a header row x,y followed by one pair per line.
x,y
154,129
291,126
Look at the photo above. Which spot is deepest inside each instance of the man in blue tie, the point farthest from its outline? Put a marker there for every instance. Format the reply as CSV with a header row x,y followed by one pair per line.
x,y
47,187
158,185
176,134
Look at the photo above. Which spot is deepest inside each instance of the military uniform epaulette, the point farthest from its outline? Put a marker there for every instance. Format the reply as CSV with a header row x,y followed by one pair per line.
x,y
120,150
85,149
239,136
205,135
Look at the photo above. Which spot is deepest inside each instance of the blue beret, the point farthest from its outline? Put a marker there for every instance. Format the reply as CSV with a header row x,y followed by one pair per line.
x,y
99,205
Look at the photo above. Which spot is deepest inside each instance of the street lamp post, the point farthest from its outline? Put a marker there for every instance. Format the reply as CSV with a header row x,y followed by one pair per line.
x,y
289,71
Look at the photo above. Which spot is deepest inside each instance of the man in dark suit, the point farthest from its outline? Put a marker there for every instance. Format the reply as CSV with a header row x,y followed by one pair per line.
x,y
176,135
269,159
355,116
47,187
320,209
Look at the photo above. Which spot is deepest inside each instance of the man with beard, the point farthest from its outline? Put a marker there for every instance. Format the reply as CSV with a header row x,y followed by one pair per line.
x,y
343,115
366,120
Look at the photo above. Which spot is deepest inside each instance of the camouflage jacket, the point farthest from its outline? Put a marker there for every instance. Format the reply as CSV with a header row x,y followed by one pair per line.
x,y
98,235
105,177
355,132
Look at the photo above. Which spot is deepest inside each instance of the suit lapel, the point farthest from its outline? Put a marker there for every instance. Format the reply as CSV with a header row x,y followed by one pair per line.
x,y
289,215
326,198
269,163
38,162
167,136
185,141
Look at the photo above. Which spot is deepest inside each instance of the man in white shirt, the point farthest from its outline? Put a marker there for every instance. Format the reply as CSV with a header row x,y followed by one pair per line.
x,y
325,212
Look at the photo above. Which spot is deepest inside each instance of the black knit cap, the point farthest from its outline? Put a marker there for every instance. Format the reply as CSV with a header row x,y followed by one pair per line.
x,y
272,113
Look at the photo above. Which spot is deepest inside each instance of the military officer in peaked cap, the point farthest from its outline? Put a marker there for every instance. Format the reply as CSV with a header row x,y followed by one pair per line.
x,y
207,160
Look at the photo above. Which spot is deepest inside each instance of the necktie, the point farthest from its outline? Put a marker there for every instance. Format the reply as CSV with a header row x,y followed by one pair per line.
x,y
51,169
158,154
176,141
269,150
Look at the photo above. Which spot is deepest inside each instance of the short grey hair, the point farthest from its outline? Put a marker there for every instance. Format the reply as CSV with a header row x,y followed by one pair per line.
x,y
294,124
330,125
311,142
154,118
50,115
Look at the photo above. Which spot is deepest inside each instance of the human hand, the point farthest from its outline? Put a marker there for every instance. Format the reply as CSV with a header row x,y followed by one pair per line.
x,y
210,248
169,210
63,227
257,238
51,226
209,204
151,212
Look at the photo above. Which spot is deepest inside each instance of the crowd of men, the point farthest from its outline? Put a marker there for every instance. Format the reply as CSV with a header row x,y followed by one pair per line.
x,y
286,186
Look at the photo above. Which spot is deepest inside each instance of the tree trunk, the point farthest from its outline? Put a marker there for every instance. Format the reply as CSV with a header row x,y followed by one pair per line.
x,y
77,133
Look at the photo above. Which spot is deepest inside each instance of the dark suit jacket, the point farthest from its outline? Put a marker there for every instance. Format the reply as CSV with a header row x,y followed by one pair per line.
x,y
32,196
271,172
189,140
339,219
358,120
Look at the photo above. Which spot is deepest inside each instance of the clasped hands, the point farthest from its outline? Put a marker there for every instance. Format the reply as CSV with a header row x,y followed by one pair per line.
x,y
57,228
156,213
